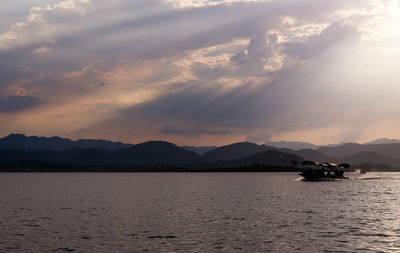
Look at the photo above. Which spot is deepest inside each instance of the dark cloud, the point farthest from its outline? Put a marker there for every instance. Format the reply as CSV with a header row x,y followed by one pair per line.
x,y
18,103
60,89
258,48
252,61
10,74
239,58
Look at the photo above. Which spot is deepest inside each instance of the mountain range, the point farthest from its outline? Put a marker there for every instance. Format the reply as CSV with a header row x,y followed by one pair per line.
x,y
383,141
31,143
20,150
296,145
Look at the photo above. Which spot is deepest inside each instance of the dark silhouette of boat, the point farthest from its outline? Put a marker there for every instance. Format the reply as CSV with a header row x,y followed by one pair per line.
x,y
317,171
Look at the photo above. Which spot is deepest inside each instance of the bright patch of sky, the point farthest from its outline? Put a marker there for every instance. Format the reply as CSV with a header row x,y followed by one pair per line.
x,y
12,12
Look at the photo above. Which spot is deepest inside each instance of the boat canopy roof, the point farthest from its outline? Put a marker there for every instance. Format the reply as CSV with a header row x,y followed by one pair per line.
x,y
310,163
328,165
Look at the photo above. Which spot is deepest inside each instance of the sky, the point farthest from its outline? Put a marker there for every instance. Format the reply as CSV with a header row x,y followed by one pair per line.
x,y
201,72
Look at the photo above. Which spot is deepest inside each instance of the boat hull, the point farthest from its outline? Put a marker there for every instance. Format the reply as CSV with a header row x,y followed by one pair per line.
x,y
320,176
316,179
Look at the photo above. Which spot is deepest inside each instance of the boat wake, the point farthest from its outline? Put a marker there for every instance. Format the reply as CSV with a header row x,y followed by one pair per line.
x,y
322,179
356,176
373,176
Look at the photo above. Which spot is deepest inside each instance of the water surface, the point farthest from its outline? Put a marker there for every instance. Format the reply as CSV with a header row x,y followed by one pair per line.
x,y
197,212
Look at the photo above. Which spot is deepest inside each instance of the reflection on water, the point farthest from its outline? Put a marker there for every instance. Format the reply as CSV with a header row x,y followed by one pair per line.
x,y
198,212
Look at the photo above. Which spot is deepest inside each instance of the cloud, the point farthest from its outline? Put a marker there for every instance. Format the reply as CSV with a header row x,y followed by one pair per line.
x,y
260,108
18,103
335,33
213,68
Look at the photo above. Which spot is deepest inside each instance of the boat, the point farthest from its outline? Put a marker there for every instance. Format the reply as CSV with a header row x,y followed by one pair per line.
x,y
360,171
318,171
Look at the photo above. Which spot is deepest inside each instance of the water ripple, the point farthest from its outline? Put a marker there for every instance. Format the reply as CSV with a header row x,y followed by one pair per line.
x,y
201,212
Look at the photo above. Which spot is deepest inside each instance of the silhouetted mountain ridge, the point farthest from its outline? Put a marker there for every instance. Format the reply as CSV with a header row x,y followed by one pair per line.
x,y
298,145
369,157
273,158
295,145
310,154
152,153
234,151
268,157
31,143
391,150
61,151
383,141
156,153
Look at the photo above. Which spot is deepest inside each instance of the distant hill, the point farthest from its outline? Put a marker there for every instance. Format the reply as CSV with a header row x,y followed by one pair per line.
x,y
298,145
88,156
273,158
295,145
343,150
148,153
7,155
156,153
153,153
73,156
234,151
31,143
201,150
383,141
369,157
390,150
269,157
310,154
333,144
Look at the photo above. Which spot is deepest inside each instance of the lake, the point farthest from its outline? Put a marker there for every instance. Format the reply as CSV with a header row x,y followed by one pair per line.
x,y
198,212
